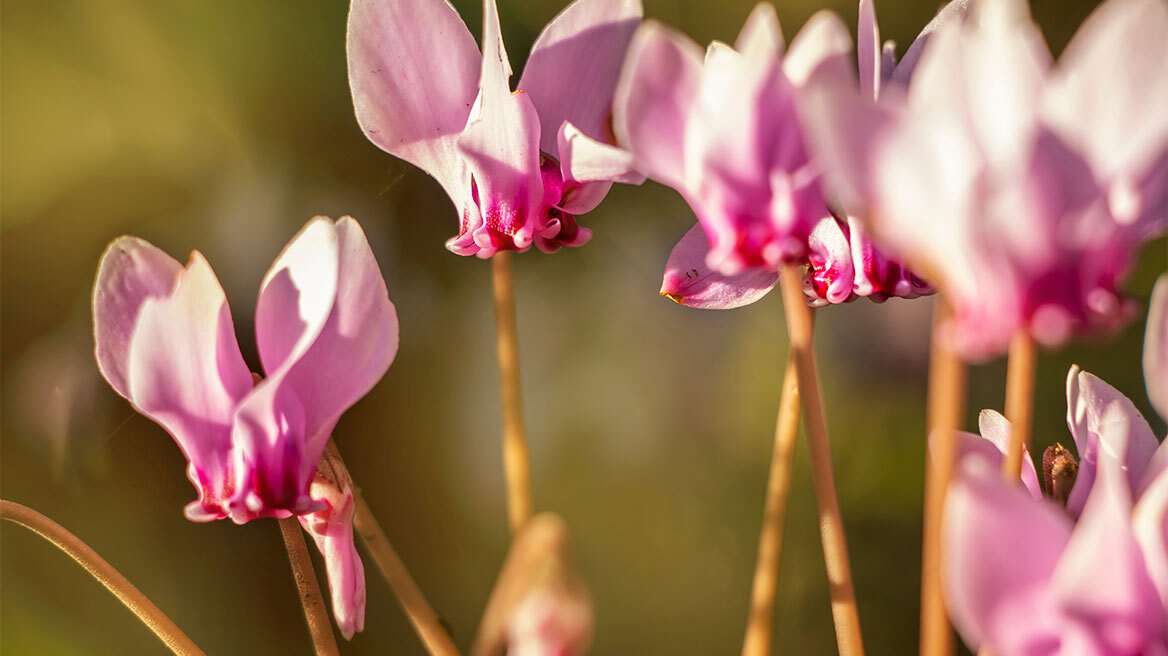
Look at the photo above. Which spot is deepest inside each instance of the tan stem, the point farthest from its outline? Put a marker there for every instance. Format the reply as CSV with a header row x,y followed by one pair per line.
x,y
112,579
831,527
946,405
516,462
433,635
315,612
770,541
1019,401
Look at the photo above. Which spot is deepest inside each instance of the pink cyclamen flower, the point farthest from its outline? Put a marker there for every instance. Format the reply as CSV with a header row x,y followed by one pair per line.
x,y
1026,575
423,93
326,332
725,133
1021,189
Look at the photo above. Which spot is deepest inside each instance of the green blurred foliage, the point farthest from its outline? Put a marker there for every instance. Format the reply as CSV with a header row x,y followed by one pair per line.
x,y
223,127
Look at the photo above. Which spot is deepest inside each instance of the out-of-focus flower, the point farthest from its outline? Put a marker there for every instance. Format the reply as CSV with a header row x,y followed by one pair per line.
x,y
1156,348
540,606
326,332
332,530
1020,190
1024,575
423,93
727,135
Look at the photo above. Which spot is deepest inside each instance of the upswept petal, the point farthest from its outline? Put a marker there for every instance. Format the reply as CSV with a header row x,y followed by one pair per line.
x,y
413,72
186,373
1156,347
657,88
1092,406
354,347
1109,94
761,35
1101,577
573,68
690,282
131,271
821,51
501,142
1000,549
953,12
297,294
584,159
332,530
1150,527
868,50
996,428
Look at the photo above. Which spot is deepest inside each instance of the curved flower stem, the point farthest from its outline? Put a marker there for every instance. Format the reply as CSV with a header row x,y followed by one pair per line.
x,y
516,463
315,613
112,579
418,610
831,527
770,540
946,405
1019,400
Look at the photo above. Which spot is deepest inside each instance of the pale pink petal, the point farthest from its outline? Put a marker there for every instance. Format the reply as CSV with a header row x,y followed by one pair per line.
x,y
332,531
996,428
1001,547
760,35
131,271
689,281
297,294
868,50
821,50
1150,526
501,142
413,72
354,347
1092,405
584,159
573,68
657,87
186,373
1156,347
1101,578
953,12
1108,79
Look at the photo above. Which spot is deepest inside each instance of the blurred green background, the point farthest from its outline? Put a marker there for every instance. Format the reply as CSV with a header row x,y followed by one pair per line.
x,y
223,127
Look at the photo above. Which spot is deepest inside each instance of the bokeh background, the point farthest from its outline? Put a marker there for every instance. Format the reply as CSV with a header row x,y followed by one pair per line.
x,y
223,127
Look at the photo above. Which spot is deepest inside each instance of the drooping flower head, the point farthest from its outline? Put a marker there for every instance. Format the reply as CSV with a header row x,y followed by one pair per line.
x,y
1022,190
326,332
1081,568
725,132
423,93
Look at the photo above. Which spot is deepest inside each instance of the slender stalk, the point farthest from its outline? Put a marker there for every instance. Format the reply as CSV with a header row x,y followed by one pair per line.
x,y
831,527
770,540
516,463
112,579
946,405
1019,401
435,638
315,613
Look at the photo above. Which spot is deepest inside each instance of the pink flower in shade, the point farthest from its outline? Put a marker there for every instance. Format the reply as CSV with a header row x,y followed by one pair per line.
x,y
1020,189
1024,575
423,93
326,332
725,132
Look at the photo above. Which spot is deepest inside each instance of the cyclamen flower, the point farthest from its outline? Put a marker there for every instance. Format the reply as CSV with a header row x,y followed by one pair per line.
x,y
423,93
1022,576
326,332
725,132
1022,190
